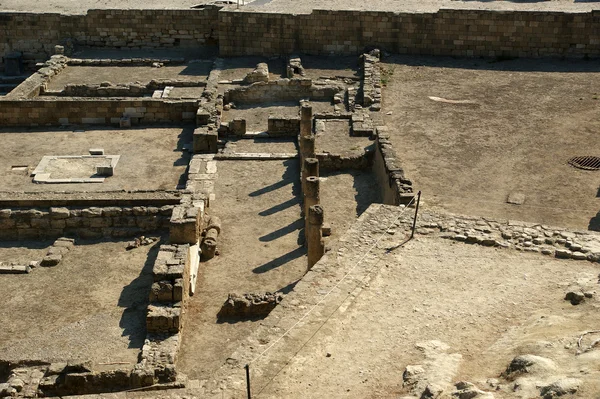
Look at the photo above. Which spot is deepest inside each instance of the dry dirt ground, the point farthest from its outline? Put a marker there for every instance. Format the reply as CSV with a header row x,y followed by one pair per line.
x,y
91,307
487,305
257,115
262,145
524,119
345,196
151,158
289,6
334,138
260,250
194,72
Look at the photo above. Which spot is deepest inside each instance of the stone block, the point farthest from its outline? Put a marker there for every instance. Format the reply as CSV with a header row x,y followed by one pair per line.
x,y
237,126
96,151
51,260
105,170
205,141
59,213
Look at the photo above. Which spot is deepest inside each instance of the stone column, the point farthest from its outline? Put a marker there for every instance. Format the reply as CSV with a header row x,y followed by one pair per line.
x,y
311,197
307,147
310,167
305,119
316,246
307,150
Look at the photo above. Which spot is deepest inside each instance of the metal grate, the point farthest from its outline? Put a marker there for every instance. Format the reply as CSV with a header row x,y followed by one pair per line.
x,y
585,162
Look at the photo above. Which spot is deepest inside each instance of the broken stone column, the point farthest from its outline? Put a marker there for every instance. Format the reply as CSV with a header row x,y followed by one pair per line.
x,y
310,167
305,120
307,147
316,246
311,197
211,233
259,74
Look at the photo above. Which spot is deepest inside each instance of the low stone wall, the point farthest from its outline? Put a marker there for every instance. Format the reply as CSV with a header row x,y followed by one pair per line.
x,y
114,221
50,111
113,90
34,84
358,160
283,127
294,89
396,189
170,289
371,81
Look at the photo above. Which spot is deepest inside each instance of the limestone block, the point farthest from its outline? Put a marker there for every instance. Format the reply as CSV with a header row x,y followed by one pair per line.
x,y
51,260
259,74
237,126
205,141
185,226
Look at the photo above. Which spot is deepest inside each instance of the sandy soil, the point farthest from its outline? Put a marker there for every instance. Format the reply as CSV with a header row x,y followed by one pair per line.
x,y
345,196
335,138
257,115
150,158
289,6
487,305
23,253
195,72
239,67
524,120
260,251
91,306
274,145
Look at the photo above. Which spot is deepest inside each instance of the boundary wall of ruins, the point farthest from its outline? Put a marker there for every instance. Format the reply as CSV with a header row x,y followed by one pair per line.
x,y
92,222
35,35
54,111
454,32
446,32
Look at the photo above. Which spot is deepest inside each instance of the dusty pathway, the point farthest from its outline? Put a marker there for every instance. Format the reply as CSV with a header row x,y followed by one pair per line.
x,y
258,205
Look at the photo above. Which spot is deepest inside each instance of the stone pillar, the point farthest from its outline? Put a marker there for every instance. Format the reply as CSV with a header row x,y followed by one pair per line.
x,y
316,246
307,146
311,197
305,120
310,167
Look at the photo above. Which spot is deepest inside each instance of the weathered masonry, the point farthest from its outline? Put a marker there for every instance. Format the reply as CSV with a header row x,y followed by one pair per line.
x,y
446,32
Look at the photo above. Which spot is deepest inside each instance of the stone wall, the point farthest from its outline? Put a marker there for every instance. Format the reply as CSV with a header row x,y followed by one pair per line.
x,y
280,126
396,189
93,222
50,111
35,35
294,89
446,32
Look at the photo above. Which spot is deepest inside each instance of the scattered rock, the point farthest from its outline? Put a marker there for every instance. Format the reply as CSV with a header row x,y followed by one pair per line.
x,y
561,387
140,241
249,306
411,374
259,74
576,297
529,364
562,254
516,198
467,390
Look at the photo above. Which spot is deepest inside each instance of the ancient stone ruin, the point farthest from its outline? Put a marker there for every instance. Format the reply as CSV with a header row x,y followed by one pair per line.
x,y
371,200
